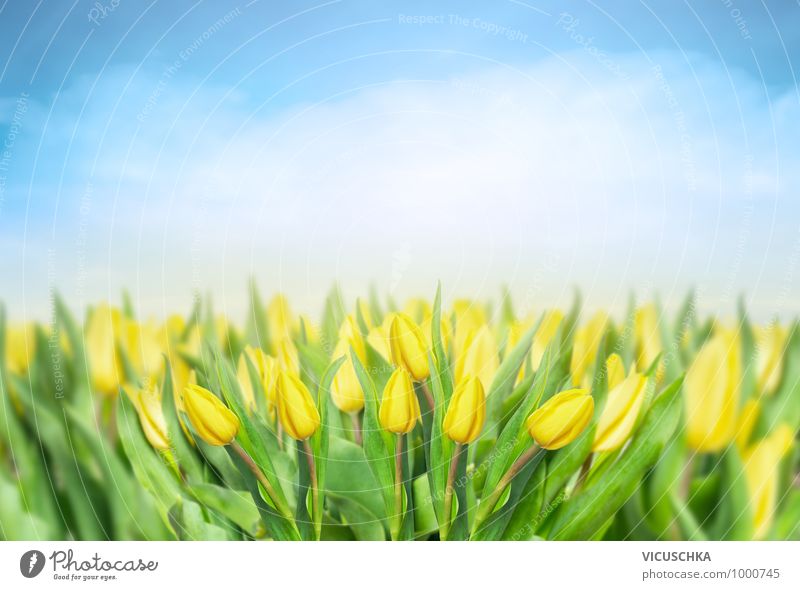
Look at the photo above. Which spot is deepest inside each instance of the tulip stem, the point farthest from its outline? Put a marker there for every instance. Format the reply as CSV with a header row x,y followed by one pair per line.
x,y
428,395
355,417
486,507
448,493
398,488
316,516
262,479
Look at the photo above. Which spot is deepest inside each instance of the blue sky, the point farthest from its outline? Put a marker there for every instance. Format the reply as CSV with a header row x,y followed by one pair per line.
x,y
615,146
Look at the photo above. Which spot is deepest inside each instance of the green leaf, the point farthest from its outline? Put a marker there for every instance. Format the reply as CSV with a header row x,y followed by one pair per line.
x,y
425,521
188,519
351,487
662,483
734,515
236,506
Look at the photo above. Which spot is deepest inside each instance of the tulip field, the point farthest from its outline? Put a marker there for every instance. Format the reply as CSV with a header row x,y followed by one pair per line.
x,y
413,421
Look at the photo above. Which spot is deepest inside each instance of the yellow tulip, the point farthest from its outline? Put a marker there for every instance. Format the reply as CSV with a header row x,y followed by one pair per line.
x,y
280,318
417,309
147,401
747,421
288,360
311,329
469,317
615,369
350,336
267,371
770,345
193,343
408,348
761,469
481,358
222,329
296,408
212,420
619,415
466,412
103,332
445,330
366,314
561,419
544,335
516,330
584,348
346,389
711,392
648,339
20,348
143,345
399,410
173,329
379,337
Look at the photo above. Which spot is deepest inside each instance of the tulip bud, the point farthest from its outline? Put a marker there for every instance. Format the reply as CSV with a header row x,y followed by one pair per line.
x,y
20,348
147,401
143,345
469,317
648,339
466,412
266,369
212,419
288,360
103,331
544,335
280,318
417,309
762,473
193,343
399,409
620,412
615,369
366,314
747,421
296,408
584,348
711,390
561,419
408,347
444,330
481,358
380,336
770,345
350,337
173,329
346,388
310,329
